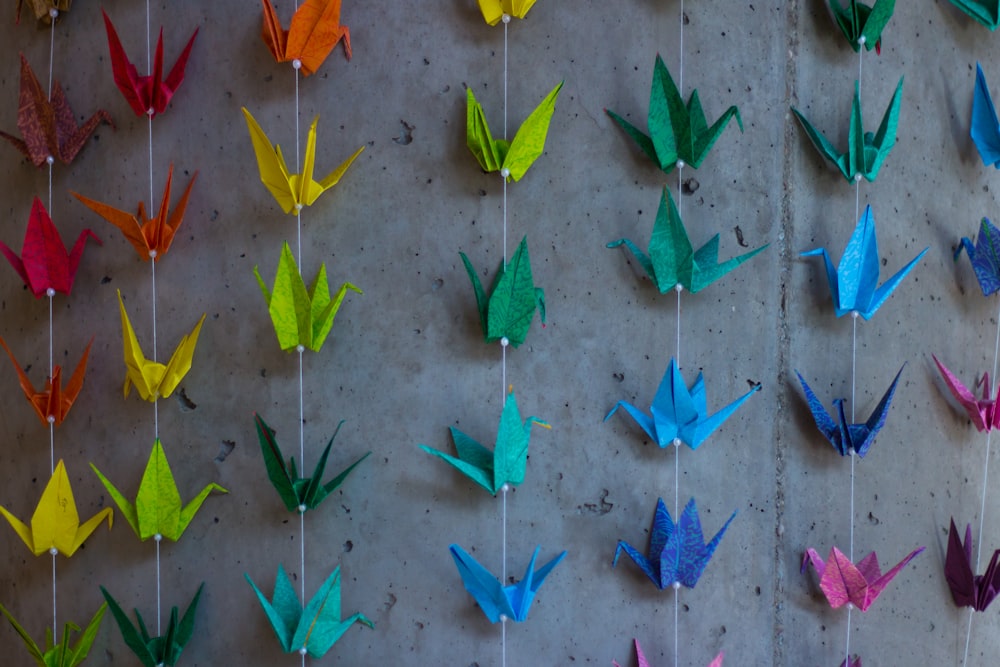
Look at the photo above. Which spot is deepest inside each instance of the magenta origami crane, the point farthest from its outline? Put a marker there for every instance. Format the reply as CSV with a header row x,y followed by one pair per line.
x,y
983,412
844,583
967,588
645,663
44,263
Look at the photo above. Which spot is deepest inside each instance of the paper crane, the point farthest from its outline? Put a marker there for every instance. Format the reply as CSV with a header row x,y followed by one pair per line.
x,y
866,151
44,263
986,12
677,552
292,191
45,10
511,158
848,438
969,589
672,261
62,654
854,281
52,403
643,662
679,414
679,134
863,25
55,525
155,651
984,255
845,583
301,317
984,411
494,10
314,31
499,602
314,629
298,493
985,128
49,129
506,464
507,312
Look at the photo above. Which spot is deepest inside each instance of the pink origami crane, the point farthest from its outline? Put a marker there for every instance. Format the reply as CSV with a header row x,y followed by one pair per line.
x,y
983,412
44,263
844,583
854,662
645,663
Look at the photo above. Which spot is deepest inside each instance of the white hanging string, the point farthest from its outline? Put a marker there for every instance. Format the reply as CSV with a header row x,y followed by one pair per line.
x,y
503,347
55,626
678,289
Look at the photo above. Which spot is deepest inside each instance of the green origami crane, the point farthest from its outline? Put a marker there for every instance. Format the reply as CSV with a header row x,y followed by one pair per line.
x,y
298,493
510,307
314,629
508,460
510,158
865,152
60,655
861,24
672,261
155,651
987,13
301,317
678,134
157,511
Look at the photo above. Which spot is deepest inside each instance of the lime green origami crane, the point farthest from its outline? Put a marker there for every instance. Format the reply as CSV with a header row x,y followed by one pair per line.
x,y
157,511
510,158
155,651
863,25
986,12
61,654
494,10
301,317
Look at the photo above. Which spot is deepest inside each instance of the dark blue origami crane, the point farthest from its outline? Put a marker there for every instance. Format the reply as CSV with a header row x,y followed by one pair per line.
x,y
497,601
984,255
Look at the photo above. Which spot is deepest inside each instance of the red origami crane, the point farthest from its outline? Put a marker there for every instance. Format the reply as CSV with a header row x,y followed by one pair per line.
x,y
314,31
147,95
48,127
983,412
967,588
151,237
44,264
844,583
52,404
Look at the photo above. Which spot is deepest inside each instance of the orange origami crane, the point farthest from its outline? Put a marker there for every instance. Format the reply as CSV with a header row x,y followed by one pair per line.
x,y
151,237
43,9
314,31
52,404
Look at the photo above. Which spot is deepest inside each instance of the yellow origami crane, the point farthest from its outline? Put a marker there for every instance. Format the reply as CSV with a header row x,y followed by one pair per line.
x,y
494,10
293,191
151,379
55,525
43,9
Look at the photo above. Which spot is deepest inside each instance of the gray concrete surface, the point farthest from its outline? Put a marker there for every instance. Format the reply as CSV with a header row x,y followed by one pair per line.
x,y
406,360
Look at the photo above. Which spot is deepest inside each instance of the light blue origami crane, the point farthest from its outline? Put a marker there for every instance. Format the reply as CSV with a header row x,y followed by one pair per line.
x,y
497,601
984,255
680,414
677,552
985,130
853,283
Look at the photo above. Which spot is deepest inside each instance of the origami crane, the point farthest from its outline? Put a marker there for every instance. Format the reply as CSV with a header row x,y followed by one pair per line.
x,y
849,438
866,151
679,134
985,128
967,588
314,31
861,24
53,403
147,95
645,663
506,463
494,10
983,412
679,414
292,191
677,552
298,493
855,661
510,158
61,654
157,511
48,127
44,264
301,317
986,12
510,307
154,380
55,525
853,282
314,629
155,651
499,602
43,9
984,255
844,583
672,261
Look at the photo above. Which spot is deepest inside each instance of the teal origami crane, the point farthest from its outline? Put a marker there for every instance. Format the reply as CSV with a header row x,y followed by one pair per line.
x,y
155,651
863,25
984,255
866,151
672,261
298,493
854,281
499,602
313,630
61,654
679,134
507,312
986,12
680,414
